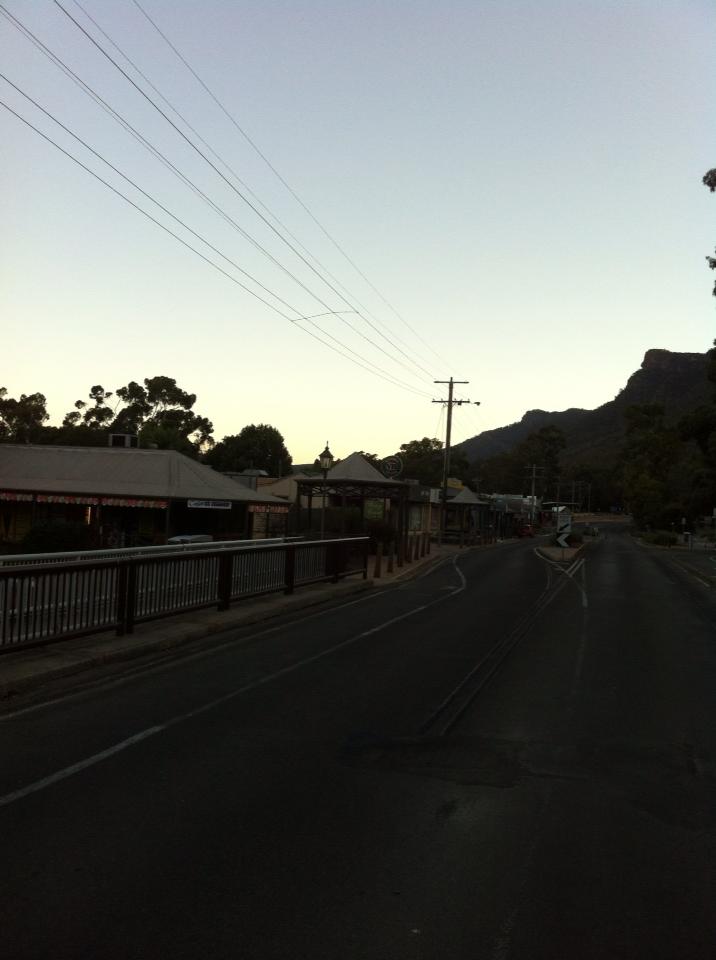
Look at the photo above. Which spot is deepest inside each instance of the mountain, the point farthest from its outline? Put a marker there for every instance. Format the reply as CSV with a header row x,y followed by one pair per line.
x,y
676,380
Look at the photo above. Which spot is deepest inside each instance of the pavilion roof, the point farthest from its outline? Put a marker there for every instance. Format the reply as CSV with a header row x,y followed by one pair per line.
x,y
116,471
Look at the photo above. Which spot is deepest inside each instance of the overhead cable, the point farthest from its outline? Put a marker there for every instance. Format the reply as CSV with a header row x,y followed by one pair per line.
x,y
235,189
278,175
243,183
370,369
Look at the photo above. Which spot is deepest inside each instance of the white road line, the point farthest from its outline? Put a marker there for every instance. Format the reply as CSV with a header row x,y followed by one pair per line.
x,y
187,658
116,748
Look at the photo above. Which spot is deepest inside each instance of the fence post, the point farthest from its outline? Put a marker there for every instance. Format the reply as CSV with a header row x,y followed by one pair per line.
x,y
391,555
121,598
334,560
129,610
290,568
377,571
223,586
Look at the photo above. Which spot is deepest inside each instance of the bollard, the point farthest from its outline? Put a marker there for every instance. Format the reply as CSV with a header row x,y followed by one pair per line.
x,y
378,560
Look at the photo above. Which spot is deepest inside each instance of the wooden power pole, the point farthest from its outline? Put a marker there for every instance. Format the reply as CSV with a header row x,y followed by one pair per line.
x,y
451,402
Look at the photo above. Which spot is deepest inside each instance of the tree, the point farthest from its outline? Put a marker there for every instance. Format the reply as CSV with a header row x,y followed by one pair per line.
x,y
257,446
161,413
709,179
372,458
650,452
510,472
423,460
543,448
96,417
21,420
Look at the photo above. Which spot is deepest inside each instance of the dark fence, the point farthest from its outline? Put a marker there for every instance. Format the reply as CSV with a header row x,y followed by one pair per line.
x,y
43,603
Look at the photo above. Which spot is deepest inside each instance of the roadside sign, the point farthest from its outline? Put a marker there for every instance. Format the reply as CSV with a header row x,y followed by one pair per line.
x,y
209,504
562,540
391,467
564,520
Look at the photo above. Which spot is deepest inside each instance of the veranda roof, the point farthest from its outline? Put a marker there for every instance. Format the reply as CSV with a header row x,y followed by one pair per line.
x,y
467,498
115,471
357,469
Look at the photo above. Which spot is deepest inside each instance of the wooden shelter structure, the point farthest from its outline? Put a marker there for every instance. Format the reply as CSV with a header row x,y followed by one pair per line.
x,y
467,516
354,482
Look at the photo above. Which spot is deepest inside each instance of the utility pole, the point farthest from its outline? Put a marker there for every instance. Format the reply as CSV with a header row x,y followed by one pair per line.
x,y
446,459
533,491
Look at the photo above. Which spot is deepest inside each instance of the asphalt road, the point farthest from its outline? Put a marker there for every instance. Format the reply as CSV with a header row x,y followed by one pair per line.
x,y
497,760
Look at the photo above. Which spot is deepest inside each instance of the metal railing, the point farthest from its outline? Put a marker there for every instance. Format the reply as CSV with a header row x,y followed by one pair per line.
x,y
121,553
41,603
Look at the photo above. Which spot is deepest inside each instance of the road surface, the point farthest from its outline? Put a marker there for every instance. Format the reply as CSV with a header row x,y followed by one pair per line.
x,y
497,760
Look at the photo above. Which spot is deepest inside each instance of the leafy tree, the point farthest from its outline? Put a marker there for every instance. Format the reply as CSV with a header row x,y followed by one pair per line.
x,y
97,416
372,458
709,179
423,460
257,446
158,410
651,450
510,472
163,410
21,420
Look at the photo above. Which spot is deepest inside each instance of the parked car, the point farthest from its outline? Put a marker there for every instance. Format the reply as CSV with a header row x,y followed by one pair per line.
x,y
191,538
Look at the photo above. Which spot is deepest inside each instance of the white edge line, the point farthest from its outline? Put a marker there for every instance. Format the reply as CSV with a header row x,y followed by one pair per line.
x,y
96,758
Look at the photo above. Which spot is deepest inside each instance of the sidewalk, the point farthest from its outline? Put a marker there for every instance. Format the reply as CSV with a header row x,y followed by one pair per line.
x,y
24,672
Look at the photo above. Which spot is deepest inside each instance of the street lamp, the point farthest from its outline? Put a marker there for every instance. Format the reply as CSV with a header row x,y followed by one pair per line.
x,y
326,461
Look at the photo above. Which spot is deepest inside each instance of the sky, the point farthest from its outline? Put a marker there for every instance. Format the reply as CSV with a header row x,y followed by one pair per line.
x,y
507,192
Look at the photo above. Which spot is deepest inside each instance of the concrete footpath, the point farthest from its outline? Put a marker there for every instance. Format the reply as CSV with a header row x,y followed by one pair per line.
x,y
25,673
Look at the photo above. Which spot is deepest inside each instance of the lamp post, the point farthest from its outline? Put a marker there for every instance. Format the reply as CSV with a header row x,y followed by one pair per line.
x,y
326,461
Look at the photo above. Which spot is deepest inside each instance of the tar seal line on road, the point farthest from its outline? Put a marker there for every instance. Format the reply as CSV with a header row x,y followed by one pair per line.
x,y
152,731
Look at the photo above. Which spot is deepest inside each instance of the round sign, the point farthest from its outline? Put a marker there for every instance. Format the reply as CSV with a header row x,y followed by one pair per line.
x,y
392,466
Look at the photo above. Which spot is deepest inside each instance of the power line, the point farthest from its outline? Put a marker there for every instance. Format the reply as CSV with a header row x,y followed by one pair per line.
x,y
206,259
148,145
149,196
235,189
89,91
276,173
243,183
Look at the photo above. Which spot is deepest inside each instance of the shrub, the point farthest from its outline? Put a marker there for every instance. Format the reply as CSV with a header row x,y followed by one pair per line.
x,y
660,538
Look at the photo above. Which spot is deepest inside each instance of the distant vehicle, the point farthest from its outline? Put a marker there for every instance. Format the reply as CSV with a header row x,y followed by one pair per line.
x,y
525,530
191,538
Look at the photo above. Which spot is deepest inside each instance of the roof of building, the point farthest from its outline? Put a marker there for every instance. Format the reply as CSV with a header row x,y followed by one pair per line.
x,y
467,496
115,471
285,487
357,469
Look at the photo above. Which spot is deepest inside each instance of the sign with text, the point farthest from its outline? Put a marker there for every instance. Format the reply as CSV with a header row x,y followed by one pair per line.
x,y
209,504
374,509
391,467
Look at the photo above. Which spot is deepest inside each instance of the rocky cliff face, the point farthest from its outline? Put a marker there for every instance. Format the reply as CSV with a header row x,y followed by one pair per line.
x,y
676,380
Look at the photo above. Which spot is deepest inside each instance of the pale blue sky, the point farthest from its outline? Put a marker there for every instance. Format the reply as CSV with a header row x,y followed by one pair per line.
x,y
521,180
